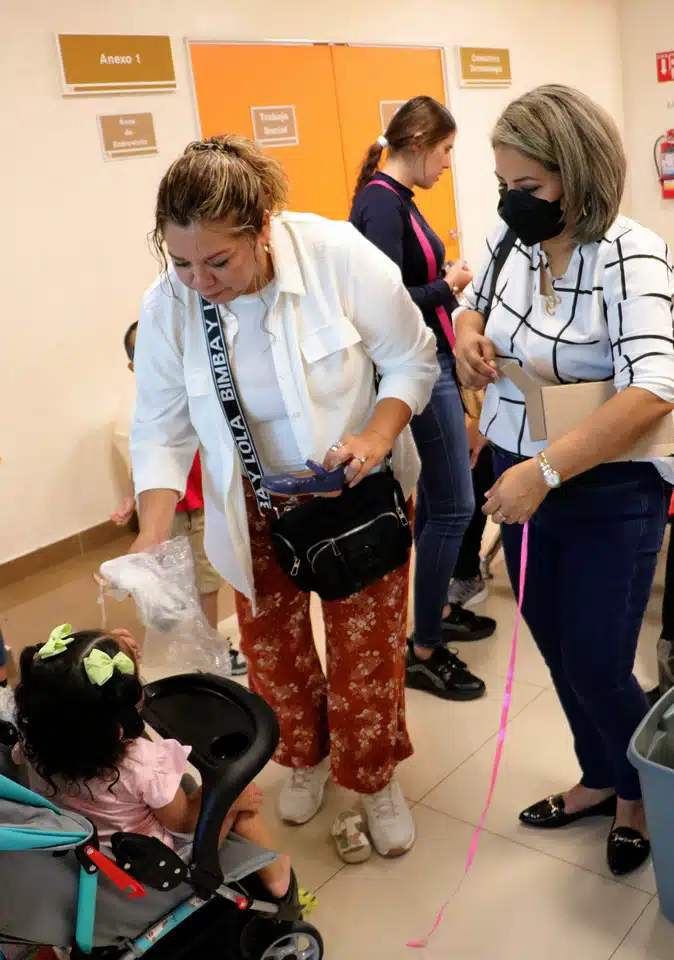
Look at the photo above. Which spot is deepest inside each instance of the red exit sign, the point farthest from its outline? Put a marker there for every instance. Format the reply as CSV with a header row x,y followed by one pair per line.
x,y
665,62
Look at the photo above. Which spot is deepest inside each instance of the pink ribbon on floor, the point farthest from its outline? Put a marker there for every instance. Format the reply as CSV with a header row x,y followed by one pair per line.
x,y
505,710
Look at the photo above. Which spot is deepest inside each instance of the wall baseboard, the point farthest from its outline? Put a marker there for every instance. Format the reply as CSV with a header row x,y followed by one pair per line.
x,y
59,552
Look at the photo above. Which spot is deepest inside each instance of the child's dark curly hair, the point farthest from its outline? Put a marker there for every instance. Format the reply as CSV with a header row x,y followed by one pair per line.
x,y
71,728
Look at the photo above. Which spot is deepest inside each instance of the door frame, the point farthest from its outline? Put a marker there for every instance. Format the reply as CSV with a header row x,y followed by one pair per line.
x,y
305,42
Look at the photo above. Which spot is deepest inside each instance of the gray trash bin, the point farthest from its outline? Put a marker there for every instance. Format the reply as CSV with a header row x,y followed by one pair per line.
x,y
652,753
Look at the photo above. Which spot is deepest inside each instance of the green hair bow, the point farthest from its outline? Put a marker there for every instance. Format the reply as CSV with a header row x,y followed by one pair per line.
x,y
58,642
99,666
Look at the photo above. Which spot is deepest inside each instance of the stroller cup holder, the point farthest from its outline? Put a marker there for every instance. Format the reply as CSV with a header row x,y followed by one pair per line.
x,y
233,734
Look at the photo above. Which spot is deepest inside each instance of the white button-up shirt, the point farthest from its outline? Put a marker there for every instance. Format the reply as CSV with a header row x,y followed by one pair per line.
x,y
340,306
614,321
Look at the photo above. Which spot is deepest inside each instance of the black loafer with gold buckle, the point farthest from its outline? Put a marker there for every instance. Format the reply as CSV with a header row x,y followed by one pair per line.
x,y
626,850
549,814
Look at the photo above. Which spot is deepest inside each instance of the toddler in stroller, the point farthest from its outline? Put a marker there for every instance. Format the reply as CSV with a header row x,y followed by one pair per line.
x,y
221,896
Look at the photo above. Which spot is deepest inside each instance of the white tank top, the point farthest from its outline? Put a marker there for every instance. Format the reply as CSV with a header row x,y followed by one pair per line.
x,y
257,383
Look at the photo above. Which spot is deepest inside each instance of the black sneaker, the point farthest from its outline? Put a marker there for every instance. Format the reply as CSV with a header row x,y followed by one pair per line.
x,y
462,625
443,675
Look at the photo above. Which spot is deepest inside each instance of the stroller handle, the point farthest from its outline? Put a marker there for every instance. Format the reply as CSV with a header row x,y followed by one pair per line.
x,y
233,734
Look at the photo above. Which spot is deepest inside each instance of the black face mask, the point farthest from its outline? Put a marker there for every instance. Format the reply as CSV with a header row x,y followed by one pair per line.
x,y
533,220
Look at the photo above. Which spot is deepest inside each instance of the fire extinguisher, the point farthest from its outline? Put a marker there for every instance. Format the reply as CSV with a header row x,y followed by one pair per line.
x,y
663,154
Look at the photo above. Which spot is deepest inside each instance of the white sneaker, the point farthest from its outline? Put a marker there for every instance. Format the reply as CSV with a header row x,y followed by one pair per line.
x,y
390,821
302,794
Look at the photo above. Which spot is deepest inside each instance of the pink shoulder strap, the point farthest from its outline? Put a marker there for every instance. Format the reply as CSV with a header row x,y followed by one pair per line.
x,y
425,244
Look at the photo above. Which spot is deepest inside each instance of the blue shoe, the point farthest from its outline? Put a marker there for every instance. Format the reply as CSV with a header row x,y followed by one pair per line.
x,y
317,481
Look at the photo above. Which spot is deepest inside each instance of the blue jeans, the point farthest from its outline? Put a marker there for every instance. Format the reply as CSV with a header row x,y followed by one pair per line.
x,y
593,549
445,501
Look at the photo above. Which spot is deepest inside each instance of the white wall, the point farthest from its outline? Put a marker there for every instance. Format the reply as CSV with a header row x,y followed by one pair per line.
x,y
647,28
74,256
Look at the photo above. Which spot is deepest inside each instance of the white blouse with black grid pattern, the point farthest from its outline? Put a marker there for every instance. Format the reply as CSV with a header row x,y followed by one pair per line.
x,y
615,321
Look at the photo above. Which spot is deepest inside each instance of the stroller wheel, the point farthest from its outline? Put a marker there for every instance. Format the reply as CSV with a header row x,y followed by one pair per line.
x,y
266,940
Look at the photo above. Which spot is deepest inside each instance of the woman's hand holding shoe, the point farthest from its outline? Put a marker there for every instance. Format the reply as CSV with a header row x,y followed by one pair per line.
x,y
362,452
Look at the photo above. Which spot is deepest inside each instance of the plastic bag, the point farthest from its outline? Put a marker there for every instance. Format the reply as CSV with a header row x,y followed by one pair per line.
x,y
163,586
665,665
7,705
7,736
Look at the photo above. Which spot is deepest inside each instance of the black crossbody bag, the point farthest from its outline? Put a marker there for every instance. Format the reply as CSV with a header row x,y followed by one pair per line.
x,y
334,546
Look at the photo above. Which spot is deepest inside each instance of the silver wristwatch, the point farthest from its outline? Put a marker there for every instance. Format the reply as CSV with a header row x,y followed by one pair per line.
x,y
551,477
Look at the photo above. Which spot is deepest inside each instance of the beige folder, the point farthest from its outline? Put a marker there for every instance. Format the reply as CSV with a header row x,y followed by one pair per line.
x,y
553,409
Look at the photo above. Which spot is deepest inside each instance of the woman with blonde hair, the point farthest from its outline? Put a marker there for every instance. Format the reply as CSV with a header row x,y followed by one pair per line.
x,y
285,317
584,295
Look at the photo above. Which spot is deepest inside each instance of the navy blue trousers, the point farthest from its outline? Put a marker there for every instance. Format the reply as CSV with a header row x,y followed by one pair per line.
x,y
445,501
593,551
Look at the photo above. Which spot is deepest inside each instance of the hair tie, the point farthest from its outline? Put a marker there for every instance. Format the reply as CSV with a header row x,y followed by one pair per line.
x,y
383,142
212,145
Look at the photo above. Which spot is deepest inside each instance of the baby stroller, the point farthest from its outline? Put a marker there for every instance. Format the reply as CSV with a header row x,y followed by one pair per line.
x,y
58,888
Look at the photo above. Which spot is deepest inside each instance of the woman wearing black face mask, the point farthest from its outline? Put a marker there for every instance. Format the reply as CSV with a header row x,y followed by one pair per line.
x,y
584,295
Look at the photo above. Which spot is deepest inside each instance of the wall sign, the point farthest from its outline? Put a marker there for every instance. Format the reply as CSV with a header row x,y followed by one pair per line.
x,y
665,64
275,126
484,67
128,135
388,110
98,64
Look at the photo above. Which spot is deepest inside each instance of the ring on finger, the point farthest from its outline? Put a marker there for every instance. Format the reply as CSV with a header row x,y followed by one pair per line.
x,y
360,459
499,516
337,446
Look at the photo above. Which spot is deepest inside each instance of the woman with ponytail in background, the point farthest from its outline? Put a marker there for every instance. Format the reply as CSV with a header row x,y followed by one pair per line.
x,y
418,144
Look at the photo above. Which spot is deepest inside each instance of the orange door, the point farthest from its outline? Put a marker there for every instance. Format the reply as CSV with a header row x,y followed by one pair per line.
x,y
370,81
291,91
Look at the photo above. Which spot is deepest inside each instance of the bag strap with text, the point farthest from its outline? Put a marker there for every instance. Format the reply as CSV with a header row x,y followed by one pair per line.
x,y
230,402
431,264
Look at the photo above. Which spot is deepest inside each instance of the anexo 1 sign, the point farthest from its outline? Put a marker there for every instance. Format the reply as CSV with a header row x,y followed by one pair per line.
x,y
275,126
101,64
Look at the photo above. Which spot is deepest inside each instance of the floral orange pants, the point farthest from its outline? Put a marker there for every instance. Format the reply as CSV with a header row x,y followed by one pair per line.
x,y
355,714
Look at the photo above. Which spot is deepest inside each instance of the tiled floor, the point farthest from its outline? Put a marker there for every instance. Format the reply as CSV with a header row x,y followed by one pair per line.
x,y
529,896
